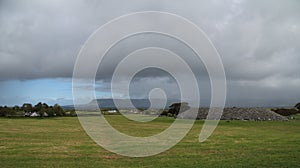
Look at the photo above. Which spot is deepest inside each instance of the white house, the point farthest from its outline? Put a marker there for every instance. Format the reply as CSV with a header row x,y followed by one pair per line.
x,y
112,111
34,114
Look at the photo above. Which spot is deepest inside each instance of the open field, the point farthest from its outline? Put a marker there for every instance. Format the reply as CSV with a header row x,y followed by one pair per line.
x,y
61,142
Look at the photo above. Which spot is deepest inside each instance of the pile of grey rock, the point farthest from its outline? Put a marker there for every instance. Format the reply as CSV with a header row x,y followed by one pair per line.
x,y
252,114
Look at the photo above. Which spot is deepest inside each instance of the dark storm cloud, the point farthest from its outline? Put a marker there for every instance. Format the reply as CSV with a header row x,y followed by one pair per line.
x,y
258,41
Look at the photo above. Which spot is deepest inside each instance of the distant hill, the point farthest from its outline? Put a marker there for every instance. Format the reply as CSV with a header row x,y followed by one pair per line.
x,y
123,104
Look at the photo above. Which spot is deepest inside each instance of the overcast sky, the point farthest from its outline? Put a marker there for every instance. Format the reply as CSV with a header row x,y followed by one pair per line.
x,y
258,41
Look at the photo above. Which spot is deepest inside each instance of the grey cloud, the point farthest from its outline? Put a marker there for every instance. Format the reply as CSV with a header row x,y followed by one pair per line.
x,y
261,40
257,40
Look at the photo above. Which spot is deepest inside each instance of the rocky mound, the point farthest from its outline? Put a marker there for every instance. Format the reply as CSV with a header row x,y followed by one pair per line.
x,y
253,114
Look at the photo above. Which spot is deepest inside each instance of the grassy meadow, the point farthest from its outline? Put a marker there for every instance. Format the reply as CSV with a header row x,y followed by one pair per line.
x,y
61,142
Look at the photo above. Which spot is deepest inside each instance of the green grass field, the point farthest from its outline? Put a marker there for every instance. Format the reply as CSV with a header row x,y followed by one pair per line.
x,y
61,142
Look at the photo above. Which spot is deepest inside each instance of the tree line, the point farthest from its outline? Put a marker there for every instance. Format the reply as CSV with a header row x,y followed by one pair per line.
x,y
40,110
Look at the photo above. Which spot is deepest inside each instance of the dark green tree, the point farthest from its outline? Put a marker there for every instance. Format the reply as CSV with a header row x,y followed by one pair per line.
x,y
177,108
41,108
58,110
16,108
50,111
2,111
38,107
27,107
45,106
297,106
73,113
7,112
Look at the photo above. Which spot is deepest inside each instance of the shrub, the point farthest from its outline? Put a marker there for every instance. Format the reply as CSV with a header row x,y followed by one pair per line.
x,y
297,106
177,108
285,112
